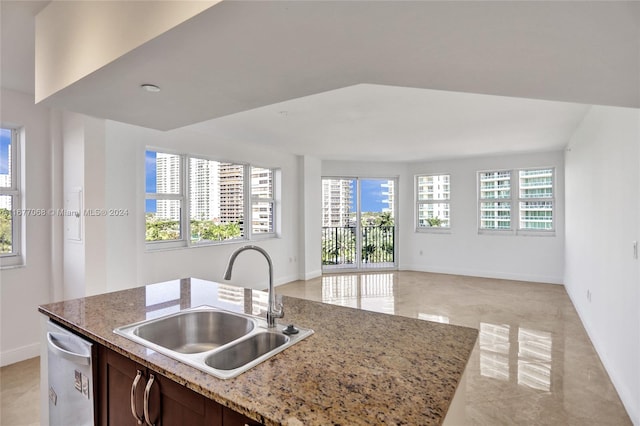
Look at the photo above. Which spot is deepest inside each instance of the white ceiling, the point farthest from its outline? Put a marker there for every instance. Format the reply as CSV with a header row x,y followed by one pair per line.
x,y
17,43
370,80
374,122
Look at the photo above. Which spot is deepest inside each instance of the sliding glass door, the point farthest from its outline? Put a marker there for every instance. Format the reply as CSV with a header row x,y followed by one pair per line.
x,y
358,223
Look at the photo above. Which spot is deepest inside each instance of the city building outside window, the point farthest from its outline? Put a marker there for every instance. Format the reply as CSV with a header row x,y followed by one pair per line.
x,y
495,200
262,201
11,211
211,194
520,200
433,206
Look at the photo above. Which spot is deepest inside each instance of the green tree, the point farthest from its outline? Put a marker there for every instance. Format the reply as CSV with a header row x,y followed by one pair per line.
x,y
434,221
5,231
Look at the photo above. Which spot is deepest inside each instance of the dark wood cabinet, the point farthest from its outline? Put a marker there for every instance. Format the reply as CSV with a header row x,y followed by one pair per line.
x,y
122,387
232,418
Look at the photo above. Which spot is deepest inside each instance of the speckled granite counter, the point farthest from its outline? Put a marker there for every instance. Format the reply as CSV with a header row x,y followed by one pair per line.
x,y
359,367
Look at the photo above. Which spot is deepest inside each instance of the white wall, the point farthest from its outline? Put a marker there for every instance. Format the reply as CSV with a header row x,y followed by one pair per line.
x,y
462,250
129,264
310,213
602,202
23,289
83,140
74,39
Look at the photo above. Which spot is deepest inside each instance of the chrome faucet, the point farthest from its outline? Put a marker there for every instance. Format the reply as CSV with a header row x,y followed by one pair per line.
x,y
273,312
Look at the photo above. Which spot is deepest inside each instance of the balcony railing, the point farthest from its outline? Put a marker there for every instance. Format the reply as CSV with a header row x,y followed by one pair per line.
x,y
339,245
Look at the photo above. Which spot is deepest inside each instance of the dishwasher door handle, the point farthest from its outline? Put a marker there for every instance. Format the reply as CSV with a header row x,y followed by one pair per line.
x,y
62,352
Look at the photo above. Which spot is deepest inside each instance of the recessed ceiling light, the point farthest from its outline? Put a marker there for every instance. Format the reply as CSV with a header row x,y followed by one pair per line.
x,y
150,87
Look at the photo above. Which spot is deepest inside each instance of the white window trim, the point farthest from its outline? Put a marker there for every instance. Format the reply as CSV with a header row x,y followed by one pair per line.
x,y
418,203
515,200
185,231
15,258
484,231
552,199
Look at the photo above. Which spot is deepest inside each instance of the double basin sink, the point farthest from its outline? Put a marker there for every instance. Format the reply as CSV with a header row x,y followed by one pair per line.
x,y
222,343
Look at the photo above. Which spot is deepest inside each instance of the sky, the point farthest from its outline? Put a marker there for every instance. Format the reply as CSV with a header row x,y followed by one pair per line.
x,y
5,141
371,195
150,179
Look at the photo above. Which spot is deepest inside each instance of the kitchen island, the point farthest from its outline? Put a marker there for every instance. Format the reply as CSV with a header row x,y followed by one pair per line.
x,y
358,367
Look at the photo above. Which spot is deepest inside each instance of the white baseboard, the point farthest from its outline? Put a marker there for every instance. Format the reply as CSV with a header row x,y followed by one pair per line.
x,y
629,403
484,274
19,354
285,280
311,275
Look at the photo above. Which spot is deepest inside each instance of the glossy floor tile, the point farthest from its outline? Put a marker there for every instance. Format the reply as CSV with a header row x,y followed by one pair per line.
x,y
533,363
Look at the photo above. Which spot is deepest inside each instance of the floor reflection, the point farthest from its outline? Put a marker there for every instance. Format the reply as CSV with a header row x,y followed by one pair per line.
x,y
372,292
533,363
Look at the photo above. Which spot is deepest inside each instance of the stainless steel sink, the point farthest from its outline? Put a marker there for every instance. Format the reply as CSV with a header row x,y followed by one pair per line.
x,y
245,351
195,331
219,342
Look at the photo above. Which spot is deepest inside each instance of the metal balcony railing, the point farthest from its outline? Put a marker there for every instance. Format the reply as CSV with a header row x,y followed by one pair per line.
x,y
339,245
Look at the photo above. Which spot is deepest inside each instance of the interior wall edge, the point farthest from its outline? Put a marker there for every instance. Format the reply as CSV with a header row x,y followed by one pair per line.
x,y
624,394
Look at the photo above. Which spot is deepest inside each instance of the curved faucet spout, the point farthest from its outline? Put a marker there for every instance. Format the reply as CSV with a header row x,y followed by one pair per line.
x,y
273,311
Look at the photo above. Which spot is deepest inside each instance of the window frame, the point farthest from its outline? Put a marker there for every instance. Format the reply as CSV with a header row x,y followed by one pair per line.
x,y
518,199
515,199
180,197
496,231
254,199
15,258
419,203
184,198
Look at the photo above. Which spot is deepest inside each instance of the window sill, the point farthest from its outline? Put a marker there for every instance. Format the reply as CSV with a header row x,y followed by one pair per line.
x,y
160,247
11,262
532,233
516,233
433,230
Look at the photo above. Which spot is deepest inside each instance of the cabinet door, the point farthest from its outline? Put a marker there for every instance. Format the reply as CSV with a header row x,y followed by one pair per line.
x,y
232,418
171,404
116,377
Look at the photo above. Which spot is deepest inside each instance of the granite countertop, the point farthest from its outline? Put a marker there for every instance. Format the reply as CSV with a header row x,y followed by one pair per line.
x,y
359,367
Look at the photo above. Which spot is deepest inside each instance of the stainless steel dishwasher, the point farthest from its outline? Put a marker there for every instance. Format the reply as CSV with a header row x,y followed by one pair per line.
x,y
71,381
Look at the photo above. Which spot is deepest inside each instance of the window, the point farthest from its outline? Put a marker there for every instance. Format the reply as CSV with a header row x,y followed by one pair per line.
x,y
164,196
205,200
495,200
433,202
262,201
10,204
536,199
526,200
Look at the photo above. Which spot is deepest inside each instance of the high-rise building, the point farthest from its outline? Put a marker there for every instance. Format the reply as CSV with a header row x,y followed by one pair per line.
x,y
231,180
495,193
216,191
536,199
388,192
168,182
436,189
261,210
337,197
204,198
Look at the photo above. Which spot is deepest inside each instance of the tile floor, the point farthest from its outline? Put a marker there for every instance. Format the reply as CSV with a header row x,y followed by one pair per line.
x,y
533,364
20,393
